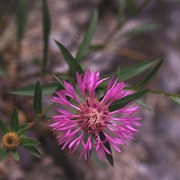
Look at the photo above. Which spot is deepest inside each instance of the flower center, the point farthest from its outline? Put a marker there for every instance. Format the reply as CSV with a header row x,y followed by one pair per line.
x,y
93,118
11,140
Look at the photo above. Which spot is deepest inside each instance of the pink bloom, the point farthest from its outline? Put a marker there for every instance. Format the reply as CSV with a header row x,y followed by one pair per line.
x,y
82,118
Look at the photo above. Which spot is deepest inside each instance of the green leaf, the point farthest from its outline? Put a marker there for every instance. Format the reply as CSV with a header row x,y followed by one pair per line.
x,y
3,127
143,28
151,74
38,99
22,129
15,155
73,64
46,31
14,121
26,141
107,145
29,90
33,150
121,10
176,99
84,47
132,7
127,99
21,18
3,153
134,70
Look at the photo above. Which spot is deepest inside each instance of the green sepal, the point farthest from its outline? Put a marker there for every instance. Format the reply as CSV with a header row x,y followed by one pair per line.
x,y
3,127
22,129
14,121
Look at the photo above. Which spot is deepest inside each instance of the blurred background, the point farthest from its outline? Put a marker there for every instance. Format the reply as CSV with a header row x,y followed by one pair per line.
x,y
143,30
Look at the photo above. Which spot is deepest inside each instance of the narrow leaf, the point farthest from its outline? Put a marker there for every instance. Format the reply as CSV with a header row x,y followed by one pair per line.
x,y
33,150
127,99
38,99
176,99
14,121
73,64
15,155
46,31
22,129
151,74
121,10
3,127
3,153
21,18
26,141
107,145
134,70
84,47
143,28
29,90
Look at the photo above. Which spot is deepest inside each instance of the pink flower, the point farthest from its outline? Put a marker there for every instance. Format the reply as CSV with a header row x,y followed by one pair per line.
x,y
83,120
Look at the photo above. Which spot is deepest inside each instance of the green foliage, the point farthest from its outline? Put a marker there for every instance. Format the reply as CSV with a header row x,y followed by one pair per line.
x,y
143,28
2,72
33,150
3,153
3,127
21,18
46,31
26,141
176,99
29,90
73,64
121,11
151,74
14,122
84,47
38,99
15,155
127,99
109,157
134,70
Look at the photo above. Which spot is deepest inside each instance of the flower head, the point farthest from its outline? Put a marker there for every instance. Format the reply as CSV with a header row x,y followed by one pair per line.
x,y
85,121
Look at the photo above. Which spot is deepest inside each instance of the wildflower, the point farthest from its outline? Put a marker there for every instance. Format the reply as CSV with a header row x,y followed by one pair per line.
x,y
85,121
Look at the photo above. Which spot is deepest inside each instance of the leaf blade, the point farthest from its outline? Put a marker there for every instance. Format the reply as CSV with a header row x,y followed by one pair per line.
x,y
3,127
73,64
26,141
33,150
3,153
151,74
134,70
46,31
15,155
14,121
85,45
127,99
29,90
37,100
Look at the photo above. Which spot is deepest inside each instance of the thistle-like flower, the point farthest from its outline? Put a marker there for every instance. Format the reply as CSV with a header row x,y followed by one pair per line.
x,y
86,121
